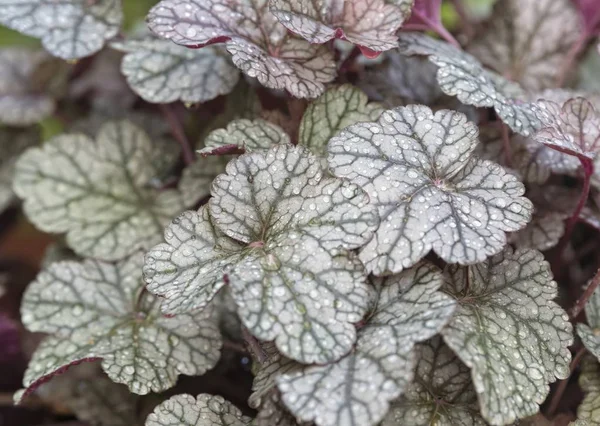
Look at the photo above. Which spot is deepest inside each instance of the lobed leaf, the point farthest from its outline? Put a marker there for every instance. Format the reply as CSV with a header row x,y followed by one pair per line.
x,y
96,310
162,72
97,191
589,380
431,193
337,108
528,40
244,135
205,410
441,394
21,102
407,309
81,30
259,45
369,24
196,179
460,74
509,331
543,232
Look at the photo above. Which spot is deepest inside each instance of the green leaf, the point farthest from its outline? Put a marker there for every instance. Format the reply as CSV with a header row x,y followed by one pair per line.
x,y
460,74
97,192
163,72
441,394
96,310
509,331
337,108
205,410
588,412
431,192
590,332
82,29
407,309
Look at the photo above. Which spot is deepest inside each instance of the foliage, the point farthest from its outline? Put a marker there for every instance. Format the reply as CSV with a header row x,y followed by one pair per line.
x,y
375,219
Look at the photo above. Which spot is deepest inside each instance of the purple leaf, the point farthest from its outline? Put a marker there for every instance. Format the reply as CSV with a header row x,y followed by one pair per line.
x,y
9,339
590,14
425,14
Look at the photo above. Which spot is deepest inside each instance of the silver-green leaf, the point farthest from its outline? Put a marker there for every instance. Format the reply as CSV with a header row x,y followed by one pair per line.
x,y
588,412
590,332
509,331
432,194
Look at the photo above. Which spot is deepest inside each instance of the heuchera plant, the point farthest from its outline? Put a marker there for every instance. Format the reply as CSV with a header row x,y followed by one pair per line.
x,y
302,212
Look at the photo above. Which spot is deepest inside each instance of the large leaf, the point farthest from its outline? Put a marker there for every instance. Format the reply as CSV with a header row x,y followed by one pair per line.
x,y
69,29
96,310
205,410
277,232
589,380
337,108
407,309
509,331
590,332
162,72
528,40
370,24
21,102
259,45
441,394
12,145
461,75
431,192
244,135
97,191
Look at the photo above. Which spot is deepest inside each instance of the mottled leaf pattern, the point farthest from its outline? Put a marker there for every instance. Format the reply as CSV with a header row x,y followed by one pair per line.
x,y
407,309
274,413
431,193
196,179
370,24
460,74
12,145
245,135
260,46
162,72
441,394
69,29
509,331
205,410
95,310
590,332
528,40
589,380
97,191
337,108
21,103
278,232
543,232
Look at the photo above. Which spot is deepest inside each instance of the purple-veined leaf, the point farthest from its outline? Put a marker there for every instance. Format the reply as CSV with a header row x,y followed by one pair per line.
x,y
99,311
205,410
442,380
21,103
527,41
69,29
260,46
460,74
163,72
407,309
369,24
431,193
509,332
273,219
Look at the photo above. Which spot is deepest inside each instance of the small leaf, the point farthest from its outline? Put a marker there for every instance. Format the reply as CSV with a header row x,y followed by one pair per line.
x,y
101,314
97,192
21,103
408,309
509,331
162,72
543,232
442,380
196,179
274,413
590,332
205,410
432,194
259,45
337,108
589,380
82,29
528,40
369,24
245,135
461,75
